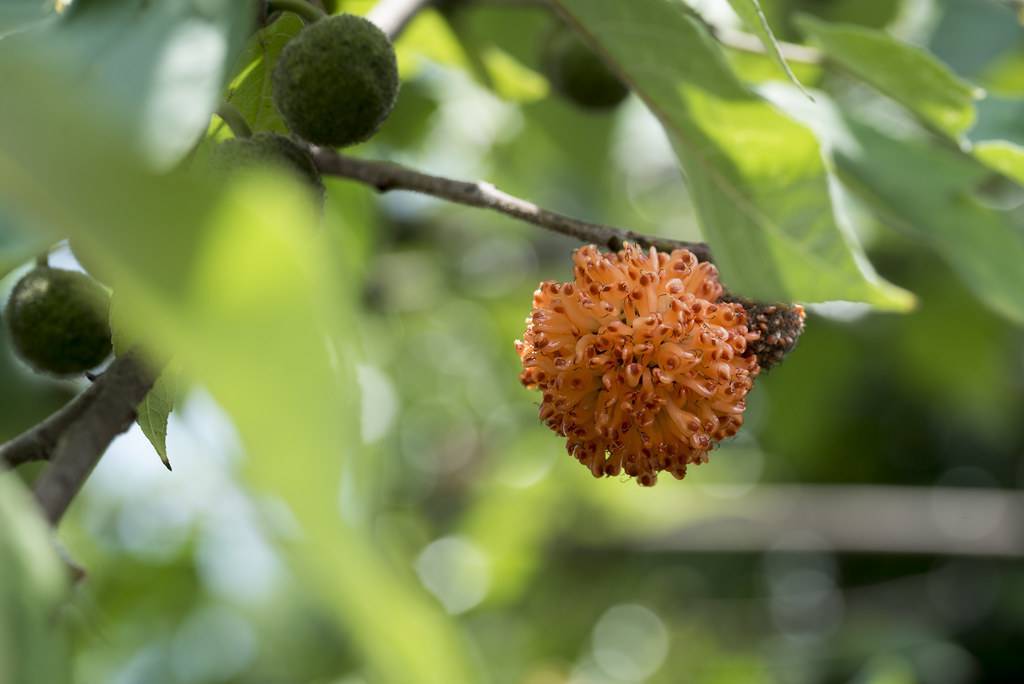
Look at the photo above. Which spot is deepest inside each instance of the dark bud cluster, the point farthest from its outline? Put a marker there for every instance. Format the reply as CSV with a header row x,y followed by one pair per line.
x,y
778,326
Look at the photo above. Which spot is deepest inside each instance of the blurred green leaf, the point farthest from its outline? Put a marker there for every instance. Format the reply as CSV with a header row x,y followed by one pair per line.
x,y
510,79
430,37
250,91
911,76
446,38
18,246
17,14
238,283
450,40
511,540
1005,157
35,583
756,176
158,68
752,15
927,192
1005,76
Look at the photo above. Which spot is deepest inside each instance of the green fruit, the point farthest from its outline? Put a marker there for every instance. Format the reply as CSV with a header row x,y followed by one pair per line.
x,y
268,149
59,321
336,82
578,74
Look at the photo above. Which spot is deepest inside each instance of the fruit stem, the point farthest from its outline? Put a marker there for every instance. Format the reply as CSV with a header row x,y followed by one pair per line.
x,y
308,12
43,260
230,115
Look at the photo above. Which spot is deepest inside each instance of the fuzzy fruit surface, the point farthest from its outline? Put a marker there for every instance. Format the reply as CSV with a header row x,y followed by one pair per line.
x,y
579,75
336,81
59,321
267,149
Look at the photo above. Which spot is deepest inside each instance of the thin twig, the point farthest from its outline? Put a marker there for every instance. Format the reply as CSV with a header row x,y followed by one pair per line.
x,y
235,120
109,411
387,176
392,16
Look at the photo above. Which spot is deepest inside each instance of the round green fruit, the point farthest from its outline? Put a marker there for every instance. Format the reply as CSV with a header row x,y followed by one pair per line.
x,y
268,149
336,81
578,74
59,321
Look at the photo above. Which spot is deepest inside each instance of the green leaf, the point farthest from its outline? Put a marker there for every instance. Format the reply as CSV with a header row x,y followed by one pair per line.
x,y
158,67
757,177
18,243
510,79
16,15
237,281
250,91
927,192
155,410
35,583
449,40
906,73
753,16
431,37
1003,156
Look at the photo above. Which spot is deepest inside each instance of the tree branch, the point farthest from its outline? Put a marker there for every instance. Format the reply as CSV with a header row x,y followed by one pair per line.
x,y
234,119
79,434
392,16
849,518
37,443
387,176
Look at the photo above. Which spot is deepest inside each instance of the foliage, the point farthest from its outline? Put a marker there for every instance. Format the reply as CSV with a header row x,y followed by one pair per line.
x,y
393,510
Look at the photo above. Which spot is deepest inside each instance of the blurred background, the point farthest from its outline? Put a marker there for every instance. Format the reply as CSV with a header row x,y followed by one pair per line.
x,y
865,526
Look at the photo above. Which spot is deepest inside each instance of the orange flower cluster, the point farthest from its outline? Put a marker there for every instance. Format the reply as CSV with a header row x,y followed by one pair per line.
x,y
642,369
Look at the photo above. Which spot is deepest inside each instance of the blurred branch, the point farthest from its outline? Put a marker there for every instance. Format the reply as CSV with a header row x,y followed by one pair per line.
x,y
932,520
76,437
387,176
392,16
234,119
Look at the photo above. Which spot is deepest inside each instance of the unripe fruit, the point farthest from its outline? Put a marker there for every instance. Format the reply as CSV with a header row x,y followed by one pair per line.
x,y
336,82
59,321
268,149
578,74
